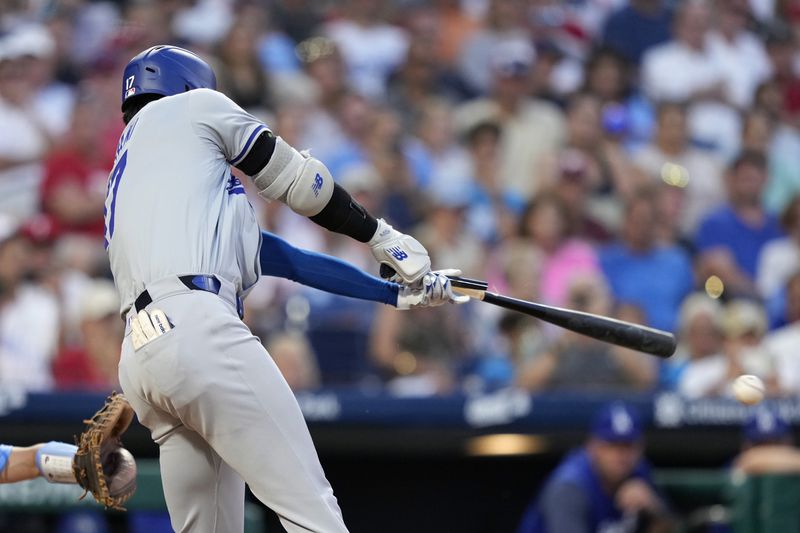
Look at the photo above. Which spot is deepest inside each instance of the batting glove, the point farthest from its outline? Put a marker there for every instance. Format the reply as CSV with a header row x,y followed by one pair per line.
x,y
146,327
436,290
403,254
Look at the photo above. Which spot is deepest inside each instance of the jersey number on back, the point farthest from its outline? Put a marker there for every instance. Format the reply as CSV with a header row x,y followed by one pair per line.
x,y
111,191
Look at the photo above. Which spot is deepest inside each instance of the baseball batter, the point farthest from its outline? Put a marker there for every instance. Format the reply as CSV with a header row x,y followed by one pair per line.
x,y
184,246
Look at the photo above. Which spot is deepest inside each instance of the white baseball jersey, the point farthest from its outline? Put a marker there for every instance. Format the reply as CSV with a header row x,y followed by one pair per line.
x,y
173,207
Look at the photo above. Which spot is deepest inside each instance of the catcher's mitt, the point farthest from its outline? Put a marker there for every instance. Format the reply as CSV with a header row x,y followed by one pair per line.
x,y
101,459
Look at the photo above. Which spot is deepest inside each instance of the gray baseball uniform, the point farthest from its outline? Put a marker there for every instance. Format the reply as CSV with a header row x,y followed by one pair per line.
x,y
213,399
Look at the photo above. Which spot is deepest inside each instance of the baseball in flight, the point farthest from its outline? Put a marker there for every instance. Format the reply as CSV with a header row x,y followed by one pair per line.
x,y
748,389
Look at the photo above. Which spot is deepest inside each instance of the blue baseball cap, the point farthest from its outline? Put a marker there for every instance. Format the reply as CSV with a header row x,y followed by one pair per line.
x,y
764,425
617,422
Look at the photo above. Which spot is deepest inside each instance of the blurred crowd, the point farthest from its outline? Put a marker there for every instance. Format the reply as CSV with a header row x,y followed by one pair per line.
x,y
637,159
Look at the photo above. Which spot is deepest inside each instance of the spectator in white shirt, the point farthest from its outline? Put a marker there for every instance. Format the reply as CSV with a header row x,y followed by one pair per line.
x,y
780,258
783,342
700,366
371,48
740,54
29,318
686,70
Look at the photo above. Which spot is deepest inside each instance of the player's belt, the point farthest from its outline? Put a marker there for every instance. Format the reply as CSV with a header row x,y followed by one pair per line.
x,y
195,282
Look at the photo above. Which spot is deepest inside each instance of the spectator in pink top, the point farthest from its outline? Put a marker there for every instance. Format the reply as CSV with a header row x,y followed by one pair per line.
x,y
547,224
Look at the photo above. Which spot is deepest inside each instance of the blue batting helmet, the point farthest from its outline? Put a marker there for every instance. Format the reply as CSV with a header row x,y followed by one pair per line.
x,y
165,70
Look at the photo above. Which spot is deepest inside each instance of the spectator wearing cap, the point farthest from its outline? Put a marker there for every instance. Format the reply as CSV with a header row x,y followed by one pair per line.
x,y
767,445
744,324
699,367
29,317
627,114
637,27
640,270
731,237
92,364
606,485
572,186
529,128
609,173
24,139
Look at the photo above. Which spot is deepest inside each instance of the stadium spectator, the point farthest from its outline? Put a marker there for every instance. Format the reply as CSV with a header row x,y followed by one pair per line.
x,y
372,48
780,258
455,26
670,158
529,127
782,148
783,341
606,485
494,209
420,361
438,160
503,26
699,367
75,175
24,140
744,323
29,317
240,74
637,27
781,45
610,175
51,100
545,223
626,113
416,82
654,276
711,118
574,362
296,361
731,45
730,238
92,364
573,188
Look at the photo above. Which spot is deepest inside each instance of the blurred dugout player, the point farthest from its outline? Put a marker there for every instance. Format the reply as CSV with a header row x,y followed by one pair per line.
x,y
603,487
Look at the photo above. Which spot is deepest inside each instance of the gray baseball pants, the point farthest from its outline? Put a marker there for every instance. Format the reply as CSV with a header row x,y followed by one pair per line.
x,y
222,415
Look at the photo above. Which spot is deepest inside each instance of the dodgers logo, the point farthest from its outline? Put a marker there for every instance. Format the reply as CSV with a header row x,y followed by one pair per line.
x,y
397,252
317,185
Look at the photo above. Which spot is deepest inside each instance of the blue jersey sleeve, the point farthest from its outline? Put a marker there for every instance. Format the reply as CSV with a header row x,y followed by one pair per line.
x,y
5,452
281,259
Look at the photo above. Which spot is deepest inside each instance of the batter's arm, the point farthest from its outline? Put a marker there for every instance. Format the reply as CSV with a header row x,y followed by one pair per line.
x,y
281,259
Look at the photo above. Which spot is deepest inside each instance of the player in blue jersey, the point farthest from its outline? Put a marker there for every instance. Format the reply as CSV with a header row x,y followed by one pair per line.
x,y
604,487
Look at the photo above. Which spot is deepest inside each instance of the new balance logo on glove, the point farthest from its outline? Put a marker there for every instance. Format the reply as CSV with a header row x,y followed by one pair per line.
x,y
397,252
